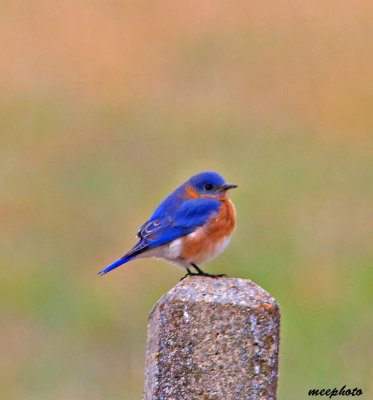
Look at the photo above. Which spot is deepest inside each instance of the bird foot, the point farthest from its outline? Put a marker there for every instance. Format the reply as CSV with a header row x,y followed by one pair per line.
x,y
202,273
213,275
189,273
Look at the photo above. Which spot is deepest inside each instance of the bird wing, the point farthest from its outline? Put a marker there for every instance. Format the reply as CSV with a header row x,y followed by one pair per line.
x,y
186,219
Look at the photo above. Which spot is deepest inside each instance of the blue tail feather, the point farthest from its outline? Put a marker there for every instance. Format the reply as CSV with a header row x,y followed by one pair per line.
x,y
115,264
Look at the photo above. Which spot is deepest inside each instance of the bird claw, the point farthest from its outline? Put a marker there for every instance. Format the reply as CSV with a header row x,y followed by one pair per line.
x,y
188,274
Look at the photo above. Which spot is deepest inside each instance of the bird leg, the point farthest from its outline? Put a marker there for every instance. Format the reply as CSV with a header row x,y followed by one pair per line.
x,y
202,273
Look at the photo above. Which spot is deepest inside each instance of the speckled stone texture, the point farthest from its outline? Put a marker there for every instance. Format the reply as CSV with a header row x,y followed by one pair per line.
x,y
213,339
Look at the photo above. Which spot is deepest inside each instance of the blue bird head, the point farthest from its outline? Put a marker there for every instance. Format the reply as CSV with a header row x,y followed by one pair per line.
x,y
209,184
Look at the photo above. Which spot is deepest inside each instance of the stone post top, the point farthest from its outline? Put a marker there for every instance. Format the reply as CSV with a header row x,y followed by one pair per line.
x,y
232,291
213,339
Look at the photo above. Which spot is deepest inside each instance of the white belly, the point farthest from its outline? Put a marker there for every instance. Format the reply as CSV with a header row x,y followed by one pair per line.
x,y
172,251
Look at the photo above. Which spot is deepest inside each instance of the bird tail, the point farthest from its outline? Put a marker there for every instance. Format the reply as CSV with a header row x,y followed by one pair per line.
x,y
115,264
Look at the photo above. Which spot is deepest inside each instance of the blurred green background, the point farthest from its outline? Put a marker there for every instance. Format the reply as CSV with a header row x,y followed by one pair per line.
x,y
106,106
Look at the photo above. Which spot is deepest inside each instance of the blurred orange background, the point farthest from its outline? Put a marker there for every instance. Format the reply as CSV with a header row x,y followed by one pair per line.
x,y
107,106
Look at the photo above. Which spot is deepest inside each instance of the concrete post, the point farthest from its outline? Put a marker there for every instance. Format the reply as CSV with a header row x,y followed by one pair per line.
x,y
213,339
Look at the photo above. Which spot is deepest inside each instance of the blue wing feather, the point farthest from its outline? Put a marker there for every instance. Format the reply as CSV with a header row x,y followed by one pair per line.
x,y
164,226
189,216
194,213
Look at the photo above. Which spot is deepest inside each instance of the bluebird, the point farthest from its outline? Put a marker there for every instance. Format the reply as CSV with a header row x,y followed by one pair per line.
x,y
191,226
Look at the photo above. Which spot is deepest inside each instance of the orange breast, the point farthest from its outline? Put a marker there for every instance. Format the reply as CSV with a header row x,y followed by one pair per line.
x,y
209,240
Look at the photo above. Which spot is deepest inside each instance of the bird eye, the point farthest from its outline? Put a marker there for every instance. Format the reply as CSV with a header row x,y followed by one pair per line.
x,y
208,186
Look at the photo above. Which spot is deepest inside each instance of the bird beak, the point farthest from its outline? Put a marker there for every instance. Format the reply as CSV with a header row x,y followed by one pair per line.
x,y
227,187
